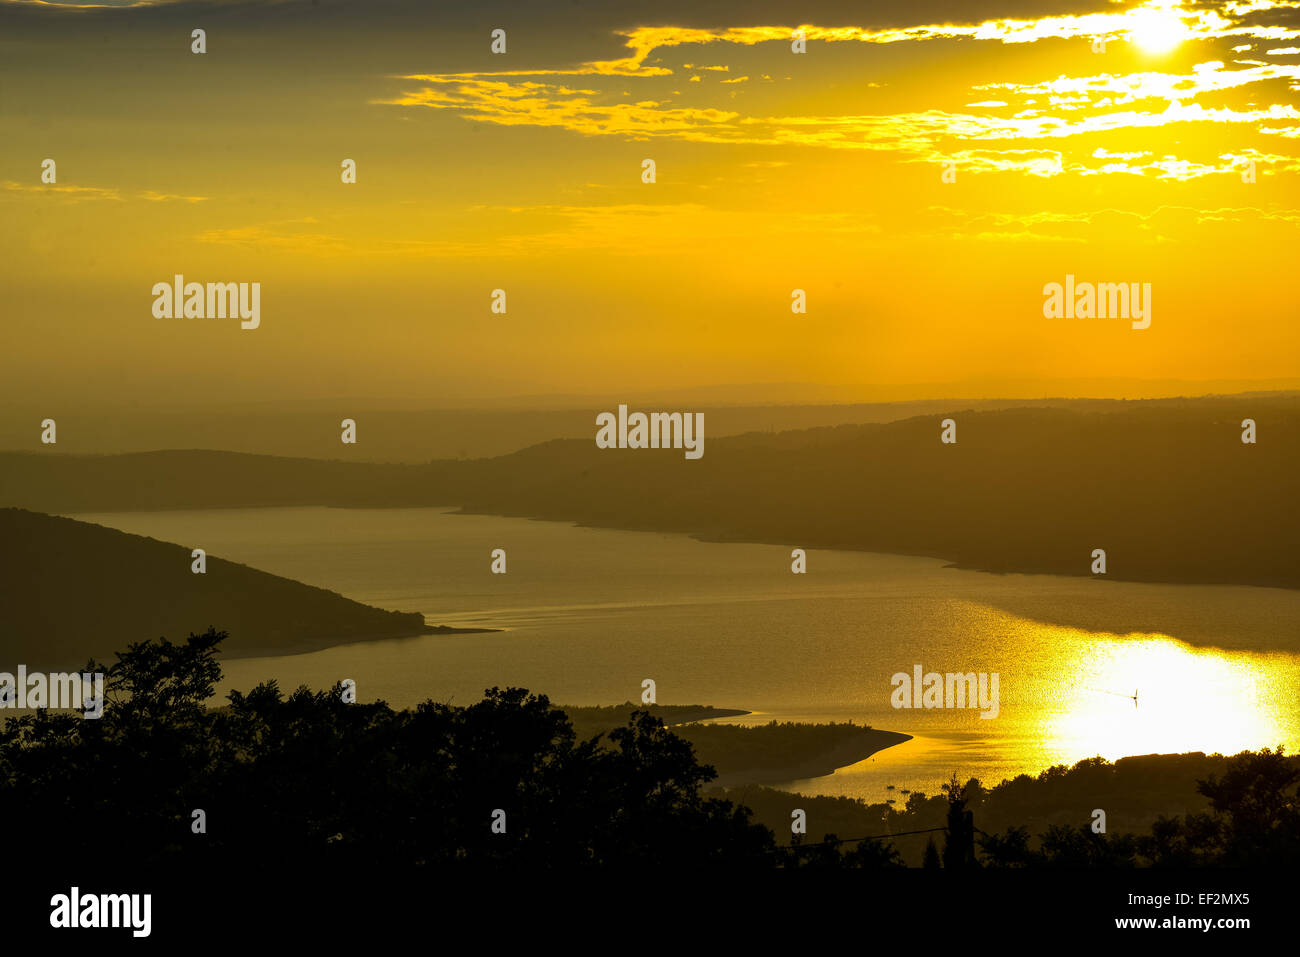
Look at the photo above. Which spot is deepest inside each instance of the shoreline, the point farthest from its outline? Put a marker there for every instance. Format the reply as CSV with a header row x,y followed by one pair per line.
x,y
705,537
779,751
309,648
957,564
821,764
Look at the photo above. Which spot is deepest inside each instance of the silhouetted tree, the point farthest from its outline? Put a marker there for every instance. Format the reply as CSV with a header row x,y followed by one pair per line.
x,y
1010,849
930,861
1254,818
1081,847
959,843
335,783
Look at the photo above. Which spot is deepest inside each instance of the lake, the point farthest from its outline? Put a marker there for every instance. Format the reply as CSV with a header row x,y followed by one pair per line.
x,y
589,613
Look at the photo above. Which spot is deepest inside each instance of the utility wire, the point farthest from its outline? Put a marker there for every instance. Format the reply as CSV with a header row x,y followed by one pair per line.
x,y
871,837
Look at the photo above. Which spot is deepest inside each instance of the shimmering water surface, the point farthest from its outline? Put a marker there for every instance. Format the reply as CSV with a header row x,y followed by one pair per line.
x,y
589,613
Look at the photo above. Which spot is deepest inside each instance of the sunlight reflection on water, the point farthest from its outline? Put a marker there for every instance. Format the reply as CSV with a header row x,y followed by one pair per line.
x,y
593,612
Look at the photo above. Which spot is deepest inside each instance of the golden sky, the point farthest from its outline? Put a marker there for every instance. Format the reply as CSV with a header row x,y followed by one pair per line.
x,y
1102,140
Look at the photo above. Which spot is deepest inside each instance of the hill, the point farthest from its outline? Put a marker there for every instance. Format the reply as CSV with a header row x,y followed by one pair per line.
x,y
72,589
1167,488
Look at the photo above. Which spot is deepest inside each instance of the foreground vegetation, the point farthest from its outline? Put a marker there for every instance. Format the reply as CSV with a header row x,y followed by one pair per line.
x,y
322,782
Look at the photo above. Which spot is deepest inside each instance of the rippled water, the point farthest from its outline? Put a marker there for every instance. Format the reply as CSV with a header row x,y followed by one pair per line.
x,y
590,613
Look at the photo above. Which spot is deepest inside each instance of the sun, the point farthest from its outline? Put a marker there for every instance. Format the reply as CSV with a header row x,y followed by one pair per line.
x,y
1157,30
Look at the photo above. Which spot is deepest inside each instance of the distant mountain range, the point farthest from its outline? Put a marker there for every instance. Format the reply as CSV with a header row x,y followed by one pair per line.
x,y
1166,487
399,433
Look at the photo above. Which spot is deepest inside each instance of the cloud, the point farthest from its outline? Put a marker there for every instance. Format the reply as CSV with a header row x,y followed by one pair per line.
x,y
544,104
635,229
76,194
1047,111
917,133
70,193
275,235
1134,87
1155,225
170,197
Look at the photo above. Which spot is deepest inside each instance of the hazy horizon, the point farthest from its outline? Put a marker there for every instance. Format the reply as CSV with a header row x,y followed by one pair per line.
x,y
521,171
395,431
